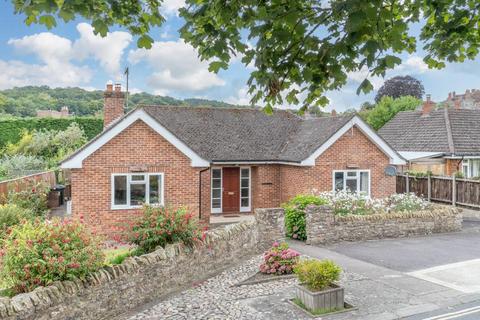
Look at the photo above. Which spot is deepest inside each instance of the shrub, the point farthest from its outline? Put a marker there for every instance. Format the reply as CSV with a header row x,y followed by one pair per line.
x,y
295,215
117,255
20,165
280,259
317,275
11,215
404,202
33,197
37,253
161,225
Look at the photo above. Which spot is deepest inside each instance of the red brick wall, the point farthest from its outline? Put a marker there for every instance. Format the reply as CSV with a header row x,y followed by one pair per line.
x,y
452,166
136,146
352,149
266,184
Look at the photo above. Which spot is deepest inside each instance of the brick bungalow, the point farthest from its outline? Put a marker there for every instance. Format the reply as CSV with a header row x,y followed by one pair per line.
x,y
442,140
219,160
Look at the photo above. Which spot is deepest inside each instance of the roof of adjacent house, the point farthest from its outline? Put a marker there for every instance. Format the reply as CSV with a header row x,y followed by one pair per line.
x,y
246,134
450,131
207,134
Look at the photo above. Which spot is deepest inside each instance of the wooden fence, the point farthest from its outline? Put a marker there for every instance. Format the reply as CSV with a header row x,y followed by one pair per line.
x,y
23,182
451,190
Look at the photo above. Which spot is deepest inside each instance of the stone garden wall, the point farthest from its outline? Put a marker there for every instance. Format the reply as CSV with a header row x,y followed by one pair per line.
x,y
139,280
324,227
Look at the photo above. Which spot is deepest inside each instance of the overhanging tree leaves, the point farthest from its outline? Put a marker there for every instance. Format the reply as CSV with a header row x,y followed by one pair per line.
x,y
298,48
399,86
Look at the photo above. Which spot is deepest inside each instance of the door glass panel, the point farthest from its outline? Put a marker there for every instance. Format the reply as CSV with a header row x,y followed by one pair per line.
x,y
245,193
216,203
216,193
244,202
245,173
216,183
338,181
137,194
120,190
244,183
216,173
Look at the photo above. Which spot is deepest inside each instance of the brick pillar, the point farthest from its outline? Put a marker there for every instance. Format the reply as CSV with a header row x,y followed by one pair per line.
x,y
319,222
270,226
113,104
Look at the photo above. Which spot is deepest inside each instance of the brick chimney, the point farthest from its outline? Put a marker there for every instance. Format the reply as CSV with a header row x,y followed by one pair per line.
x,y
427,106
334,113
457,104
113,104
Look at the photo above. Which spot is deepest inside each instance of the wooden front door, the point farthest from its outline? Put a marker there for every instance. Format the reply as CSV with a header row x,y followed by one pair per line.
x,y
231,190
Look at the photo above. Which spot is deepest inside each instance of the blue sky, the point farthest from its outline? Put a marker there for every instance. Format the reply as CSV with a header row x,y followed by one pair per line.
x,y
70,55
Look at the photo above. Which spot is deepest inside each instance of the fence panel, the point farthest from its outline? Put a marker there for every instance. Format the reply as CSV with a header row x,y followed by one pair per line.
x,y
22,182
467,192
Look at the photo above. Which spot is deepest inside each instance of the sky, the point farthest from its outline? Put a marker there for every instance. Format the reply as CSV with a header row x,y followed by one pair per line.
x,y
71,55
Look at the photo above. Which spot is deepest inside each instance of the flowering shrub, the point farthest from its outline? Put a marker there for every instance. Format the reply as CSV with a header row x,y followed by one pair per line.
x,y
317,275
295,215
11,215
33,198
280,259
37,253
159,226
347,203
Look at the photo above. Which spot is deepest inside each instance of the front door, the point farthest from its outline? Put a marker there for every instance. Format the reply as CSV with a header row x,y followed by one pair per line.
x,y
231,190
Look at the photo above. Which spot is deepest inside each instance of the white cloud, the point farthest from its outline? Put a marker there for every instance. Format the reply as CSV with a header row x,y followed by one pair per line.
x,y
412,65
108,51
241,97
360,75
170,7
176,67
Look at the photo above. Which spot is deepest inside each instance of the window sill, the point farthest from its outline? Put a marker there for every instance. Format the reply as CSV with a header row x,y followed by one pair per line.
x,y
157,205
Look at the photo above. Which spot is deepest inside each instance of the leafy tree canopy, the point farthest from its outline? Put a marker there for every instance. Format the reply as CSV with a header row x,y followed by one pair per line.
x,y
387,108
401,86
302,46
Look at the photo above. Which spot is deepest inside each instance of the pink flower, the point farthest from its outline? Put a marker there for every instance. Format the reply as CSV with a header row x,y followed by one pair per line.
x,y
275,244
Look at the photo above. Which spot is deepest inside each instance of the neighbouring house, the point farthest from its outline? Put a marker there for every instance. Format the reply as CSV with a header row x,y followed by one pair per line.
x,y
219,160
63,113
443,141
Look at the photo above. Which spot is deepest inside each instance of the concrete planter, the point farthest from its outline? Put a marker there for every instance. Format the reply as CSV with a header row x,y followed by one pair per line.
x,y
329,299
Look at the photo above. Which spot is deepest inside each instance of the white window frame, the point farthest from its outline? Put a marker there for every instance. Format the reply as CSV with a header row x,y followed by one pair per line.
x,y
147,189
345,172
212,209
249,207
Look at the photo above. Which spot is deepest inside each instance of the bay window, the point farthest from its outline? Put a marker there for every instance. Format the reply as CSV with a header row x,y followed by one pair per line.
x,y
356,181
132,190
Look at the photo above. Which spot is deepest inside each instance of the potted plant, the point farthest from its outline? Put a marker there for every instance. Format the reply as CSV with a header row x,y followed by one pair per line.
x,y
317,291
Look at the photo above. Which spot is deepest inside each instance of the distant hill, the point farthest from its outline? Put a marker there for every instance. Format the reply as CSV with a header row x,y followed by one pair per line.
x,y
25,101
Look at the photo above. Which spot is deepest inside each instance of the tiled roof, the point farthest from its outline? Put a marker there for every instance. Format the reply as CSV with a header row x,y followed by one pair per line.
x,y
245,134
412,131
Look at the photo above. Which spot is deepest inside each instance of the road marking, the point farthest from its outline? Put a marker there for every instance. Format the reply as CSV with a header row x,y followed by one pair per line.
x,y
456,314
460,280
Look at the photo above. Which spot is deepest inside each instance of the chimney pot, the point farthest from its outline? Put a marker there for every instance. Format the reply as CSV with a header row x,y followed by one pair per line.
x,y
118,87
113,104
428,97
109,87
427,106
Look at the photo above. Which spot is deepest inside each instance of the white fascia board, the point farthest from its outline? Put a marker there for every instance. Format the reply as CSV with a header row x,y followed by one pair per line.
x,y
239,163
394,157
76,161
414,155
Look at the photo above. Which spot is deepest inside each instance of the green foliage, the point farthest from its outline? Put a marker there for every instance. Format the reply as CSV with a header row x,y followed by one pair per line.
x,y
295,215
20,165
117,255
160,226
459,174
13,129
11,215
317,275
37,253
32,197
388,107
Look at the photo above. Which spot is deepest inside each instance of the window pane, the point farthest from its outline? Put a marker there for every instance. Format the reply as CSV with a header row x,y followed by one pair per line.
x,y
120,190
364,182
351,174
245,173
352,185
338,181
215,203
137,194
155,192
244,202
138,177
244,183
216,183
244,193
216,173
475,167
216,193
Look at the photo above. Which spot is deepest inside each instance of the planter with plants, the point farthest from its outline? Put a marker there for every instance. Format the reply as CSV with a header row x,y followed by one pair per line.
x,y
317,291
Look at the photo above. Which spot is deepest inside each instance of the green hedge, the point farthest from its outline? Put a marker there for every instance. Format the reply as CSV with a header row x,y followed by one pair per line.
x,y
11,129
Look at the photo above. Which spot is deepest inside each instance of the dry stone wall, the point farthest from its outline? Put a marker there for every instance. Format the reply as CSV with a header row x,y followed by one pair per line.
x,y
139,280
324,227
